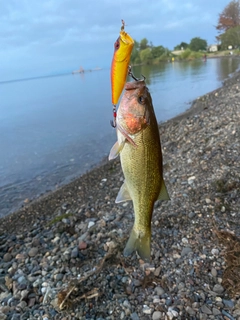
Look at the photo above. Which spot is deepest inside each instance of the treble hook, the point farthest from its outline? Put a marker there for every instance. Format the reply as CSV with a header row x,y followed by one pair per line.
x,y
132,75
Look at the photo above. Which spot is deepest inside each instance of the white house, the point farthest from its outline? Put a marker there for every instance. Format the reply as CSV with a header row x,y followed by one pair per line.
x,y
213,48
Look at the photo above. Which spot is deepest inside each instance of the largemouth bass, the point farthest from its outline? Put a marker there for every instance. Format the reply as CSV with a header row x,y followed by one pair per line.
x,y
141,159
120,62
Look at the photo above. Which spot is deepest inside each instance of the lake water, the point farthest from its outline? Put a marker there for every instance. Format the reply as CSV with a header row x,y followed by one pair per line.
x,y
54,129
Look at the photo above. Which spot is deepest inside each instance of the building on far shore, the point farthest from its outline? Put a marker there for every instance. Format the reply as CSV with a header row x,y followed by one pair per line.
x,y
213,48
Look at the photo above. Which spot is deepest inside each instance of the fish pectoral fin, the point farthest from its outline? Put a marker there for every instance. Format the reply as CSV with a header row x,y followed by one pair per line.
x,y
123,194
163,195
116,149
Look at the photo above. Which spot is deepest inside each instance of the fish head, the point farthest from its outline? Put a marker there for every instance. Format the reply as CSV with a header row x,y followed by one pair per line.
x,y
123,47
134,111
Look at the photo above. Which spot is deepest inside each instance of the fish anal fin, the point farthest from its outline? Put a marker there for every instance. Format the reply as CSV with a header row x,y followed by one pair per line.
x,y
123,194
140,243
163,195
116,149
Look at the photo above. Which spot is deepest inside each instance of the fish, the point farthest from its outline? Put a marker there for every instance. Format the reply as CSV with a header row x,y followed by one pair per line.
x,y
120,62
138,144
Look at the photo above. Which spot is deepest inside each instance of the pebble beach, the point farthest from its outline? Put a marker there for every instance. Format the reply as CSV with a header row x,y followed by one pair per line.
x,y
61,256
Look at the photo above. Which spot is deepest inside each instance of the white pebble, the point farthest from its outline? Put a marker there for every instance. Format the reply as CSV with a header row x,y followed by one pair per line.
x,y
215,252
90,224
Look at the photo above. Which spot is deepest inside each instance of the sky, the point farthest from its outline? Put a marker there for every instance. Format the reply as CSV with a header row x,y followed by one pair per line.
x,y
53,36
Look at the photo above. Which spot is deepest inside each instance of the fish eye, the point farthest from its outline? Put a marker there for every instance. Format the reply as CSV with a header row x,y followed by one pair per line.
x,y
141,99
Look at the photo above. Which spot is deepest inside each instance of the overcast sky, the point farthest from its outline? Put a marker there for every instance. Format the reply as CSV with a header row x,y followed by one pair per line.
x,y
40,37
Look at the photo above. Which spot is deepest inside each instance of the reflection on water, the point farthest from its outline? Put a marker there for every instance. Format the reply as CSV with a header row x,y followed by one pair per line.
x,y
55,129
227,65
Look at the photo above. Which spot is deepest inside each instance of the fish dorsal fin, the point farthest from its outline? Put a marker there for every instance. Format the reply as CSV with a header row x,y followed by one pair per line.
x,y
163,195
123,194
116,149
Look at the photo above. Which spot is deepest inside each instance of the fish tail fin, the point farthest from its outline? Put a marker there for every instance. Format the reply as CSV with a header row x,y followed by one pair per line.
x,y
139,242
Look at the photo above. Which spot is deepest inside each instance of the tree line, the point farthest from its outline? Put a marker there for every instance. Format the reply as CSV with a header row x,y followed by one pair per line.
x,y
144,51
228,28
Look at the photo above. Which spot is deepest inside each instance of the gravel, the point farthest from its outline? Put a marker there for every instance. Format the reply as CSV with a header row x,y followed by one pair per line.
x,y
61,256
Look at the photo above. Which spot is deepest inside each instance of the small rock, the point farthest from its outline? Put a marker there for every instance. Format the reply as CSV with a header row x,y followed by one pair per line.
x,y
205,309
191,179
156,315
7,257
185,251
134,316
157,271
90,224
215,252
33,252
2,316
218,288
126,304
191,215
184,240
215,311
82,245
147,310
214,272
159,291
74,253
190,311
228,303
22,305
22,280
58,276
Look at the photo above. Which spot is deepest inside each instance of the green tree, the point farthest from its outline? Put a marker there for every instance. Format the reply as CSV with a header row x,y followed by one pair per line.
x,y
183,45
146,55
197,44
143,44
157,51
230,38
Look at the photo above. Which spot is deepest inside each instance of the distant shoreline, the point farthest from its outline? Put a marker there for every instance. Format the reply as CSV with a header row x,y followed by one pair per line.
x,y
47,76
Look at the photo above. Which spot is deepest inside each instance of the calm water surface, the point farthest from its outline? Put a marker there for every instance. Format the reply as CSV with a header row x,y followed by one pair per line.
x,y
54,129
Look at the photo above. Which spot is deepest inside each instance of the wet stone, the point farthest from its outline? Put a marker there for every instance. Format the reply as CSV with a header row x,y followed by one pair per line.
x,y
218,288
7,257
156,315
33,252
134,316
205,309
185,251
159,291
216,312
190,311
228,303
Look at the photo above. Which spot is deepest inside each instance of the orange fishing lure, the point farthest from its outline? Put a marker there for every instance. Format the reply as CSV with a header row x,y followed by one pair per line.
x,y
120,63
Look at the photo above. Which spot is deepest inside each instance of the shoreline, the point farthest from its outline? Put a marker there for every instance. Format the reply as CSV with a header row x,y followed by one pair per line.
x,y
61,257
196,107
